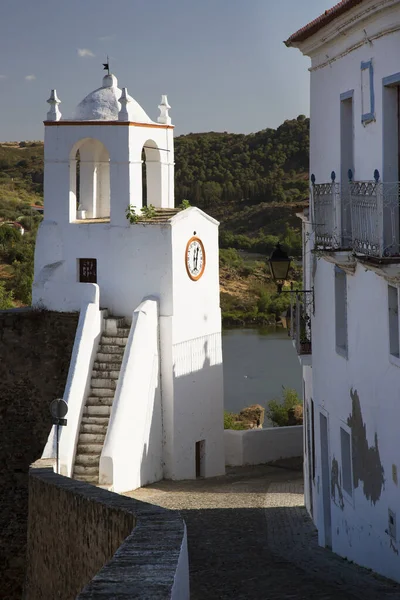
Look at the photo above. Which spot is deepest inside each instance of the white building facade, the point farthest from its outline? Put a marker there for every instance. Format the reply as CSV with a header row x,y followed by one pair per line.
x,y
145,386
351,240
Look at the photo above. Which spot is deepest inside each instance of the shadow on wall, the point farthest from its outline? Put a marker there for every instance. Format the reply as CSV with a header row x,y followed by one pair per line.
x,y
35,351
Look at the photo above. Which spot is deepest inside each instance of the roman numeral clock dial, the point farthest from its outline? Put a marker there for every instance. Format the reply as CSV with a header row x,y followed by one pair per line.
x,y
195,258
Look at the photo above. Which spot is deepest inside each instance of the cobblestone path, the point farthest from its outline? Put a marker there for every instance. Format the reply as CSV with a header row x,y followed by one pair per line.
x,y
250,538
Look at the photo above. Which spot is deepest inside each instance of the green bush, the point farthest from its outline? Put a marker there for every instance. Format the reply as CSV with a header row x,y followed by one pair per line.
x,y
231,423
22,282
264,302
8,236
278,410
230,258
6,298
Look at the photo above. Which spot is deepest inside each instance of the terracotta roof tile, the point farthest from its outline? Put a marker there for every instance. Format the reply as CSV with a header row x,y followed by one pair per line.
x,y
320,22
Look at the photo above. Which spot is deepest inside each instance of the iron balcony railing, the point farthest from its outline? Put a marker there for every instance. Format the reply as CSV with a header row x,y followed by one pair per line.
x,y
331,214
375,217
300,321
360,215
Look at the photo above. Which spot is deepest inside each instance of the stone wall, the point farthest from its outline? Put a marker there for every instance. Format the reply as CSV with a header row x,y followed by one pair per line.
x,y
35,351
260,446
76,528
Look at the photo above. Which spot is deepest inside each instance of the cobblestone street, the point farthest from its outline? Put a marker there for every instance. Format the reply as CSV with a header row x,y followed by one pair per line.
x,y
250,538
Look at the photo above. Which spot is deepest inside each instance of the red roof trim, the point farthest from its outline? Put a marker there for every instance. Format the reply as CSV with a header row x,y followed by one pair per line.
x,y
321,21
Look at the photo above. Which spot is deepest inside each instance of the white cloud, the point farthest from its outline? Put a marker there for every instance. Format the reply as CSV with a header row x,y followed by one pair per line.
x,y
30,77
83,52
106,38
3,76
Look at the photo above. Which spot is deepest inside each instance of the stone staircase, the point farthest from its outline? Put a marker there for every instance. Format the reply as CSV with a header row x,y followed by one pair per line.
x,y
96,413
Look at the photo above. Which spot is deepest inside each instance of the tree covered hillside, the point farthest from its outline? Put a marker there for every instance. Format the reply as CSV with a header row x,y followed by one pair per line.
x,y
253,184
224,168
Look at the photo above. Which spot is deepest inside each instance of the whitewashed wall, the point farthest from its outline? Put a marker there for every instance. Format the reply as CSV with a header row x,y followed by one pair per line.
x,y
342,75
192,376
132,451
139,264
359,527
258,446
137,261
87,337
361,390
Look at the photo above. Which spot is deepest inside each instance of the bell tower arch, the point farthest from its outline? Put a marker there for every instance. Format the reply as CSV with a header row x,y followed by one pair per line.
x,y
100,149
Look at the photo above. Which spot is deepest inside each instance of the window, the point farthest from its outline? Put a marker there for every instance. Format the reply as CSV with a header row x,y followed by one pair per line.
x,y
346,461
367,92
312,438
346,165
87,270
393,307
341,311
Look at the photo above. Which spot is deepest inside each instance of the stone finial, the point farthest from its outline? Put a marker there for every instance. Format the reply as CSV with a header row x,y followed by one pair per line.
x,y
164,108
123,113
110,81
54,112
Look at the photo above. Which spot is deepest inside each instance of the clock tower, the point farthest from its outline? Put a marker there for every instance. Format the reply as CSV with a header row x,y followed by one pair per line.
x,y
167,420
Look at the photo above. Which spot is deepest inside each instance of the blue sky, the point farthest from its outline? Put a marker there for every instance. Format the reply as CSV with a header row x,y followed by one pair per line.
x,y
221,62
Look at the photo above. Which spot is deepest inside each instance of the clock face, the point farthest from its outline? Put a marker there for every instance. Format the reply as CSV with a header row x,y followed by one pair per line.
x,y
195,258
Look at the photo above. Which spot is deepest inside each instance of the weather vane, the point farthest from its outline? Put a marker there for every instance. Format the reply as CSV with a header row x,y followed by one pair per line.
x,y
106,65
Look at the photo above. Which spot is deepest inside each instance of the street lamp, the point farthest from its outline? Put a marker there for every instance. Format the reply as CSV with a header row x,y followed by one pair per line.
x,y
279,263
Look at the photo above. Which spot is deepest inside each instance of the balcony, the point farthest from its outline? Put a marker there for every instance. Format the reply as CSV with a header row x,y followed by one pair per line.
x,y
331,214
300,325
362,216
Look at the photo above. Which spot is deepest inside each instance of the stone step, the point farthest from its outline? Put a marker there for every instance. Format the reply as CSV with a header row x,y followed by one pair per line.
x,y
87,460
105,384
119,332
117,341
97,411
93,428
106,358
102,392
110,349
123,332
120,320
97,374
82,470
93,479
91,438
112,324
93,420
107,366
99,400
92,449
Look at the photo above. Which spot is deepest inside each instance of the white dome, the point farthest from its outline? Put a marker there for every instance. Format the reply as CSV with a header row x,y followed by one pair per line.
x,y
103,104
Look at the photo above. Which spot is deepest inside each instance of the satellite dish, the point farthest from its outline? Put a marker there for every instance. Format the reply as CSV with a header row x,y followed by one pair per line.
x,y
58,408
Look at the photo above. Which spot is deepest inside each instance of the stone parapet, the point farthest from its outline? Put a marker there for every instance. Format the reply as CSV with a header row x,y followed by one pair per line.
x,y
86,542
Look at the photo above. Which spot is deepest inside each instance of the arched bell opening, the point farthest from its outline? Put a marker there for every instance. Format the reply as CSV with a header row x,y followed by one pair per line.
x,y
90,179
144,178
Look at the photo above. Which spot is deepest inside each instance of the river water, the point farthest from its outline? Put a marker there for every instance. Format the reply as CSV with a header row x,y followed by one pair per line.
x,y
257,363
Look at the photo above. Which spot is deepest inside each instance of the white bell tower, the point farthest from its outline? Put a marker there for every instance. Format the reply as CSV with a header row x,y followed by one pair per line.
x,y
89,254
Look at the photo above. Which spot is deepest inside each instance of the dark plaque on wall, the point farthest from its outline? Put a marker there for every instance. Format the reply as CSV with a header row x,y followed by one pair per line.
x,y
88,270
